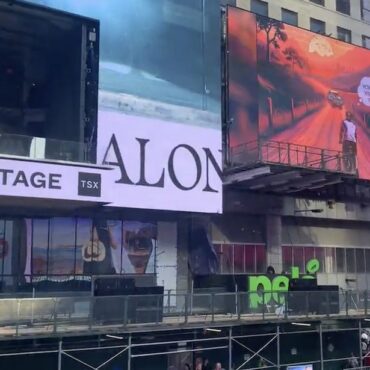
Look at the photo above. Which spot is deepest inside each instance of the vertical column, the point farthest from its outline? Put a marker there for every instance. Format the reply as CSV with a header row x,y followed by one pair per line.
x,y
273,242
230,348
129,353
278,347
60,355
182,275
321,348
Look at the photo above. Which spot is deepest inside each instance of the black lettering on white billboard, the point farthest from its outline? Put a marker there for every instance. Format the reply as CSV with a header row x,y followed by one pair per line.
x,y
119,163
210,158
171,167
142,181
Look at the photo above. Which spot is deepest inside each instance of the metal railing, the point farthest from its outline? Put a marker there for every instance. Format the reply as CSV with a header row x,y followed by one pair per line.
x,y
288,154
43,148
52,316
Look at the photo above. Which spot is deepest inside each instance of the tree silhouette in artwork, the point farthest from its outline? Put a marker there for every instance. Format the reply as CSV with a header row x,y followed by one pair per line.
x,y
274,33
293,57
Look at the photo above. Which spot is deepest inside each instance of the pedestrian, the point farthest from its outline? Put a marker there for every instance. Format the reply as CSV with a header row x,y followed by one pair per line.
x,y
352,362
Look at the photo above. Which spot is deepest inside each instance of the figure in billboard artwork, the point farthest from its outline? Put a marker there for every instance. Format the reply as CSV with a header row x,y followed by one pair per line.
x,y
312,91
96,252
348,138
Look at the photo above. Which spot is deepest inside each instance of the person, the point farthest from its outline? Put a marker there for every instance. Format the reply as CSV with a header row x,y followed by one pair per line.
x,y
198,363
262,363
218,366
352,362
348,139
207,365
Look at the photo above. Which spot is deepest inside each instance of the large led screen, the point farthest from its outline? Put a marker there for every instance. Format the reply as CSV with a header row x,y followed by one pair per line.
x,y
159,121
312,91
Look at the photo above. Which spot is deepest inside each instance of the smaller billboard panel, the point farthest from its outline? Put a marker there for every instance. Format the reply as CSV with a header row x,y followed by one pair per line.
x,y
313,92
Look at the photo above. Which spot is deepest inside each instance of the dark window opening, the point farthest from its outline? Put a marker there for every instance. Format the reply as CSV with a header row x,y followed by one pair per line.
x,y
344,34
289,17
343,6
318,2
317,26
259,7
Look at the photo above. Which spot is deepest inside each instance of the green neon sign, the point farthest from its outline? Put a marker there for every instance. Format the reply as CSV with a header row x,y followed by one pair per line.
x,y
264,289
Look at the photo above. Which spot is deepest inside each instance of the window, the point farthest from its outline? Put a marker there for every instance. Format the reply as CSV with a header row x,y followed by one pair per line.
x,y
317,26
287,253
366,41
289,17
330,260
320,255
241,258
344,34
261,259
343,6
367,260
340,252
298,258
360,261
365,10
259,7
318,2
350,260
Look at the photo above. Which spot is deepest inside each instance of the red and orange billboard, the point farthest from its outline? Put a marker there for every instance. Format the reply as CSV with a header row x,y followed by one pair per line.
x,y
289,85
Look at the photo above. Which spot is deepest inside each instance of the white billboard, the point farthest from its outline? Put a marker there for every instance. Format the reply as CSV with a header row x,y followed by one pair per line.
x,y
159,164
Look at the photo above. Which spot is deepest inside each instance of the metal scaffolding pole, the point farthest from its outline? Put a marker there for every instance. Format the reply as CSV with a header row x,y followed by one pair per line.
x,y
230,348
278,347
321,348
359,340
60,355
129,353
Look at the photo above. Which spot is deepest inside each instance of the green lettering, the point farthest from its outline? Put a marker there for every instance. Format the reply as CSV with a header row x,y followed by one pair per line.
x,y
295,272
280,285
258,286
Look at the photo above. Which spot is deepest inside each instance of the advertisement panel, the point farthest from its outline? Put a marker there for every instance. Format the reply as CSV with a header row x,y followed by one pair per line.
x,y
159,72
63,247
312,91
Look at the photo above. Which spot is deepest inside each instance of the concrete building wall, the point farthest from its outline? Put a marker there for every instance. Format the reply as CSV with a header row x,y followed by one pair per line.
x,y
327,14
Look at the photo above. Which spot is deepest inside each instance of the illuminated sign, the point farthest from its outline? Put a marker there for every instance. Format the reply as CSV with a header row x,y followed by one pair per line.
x,y
160,165
263,289
27,178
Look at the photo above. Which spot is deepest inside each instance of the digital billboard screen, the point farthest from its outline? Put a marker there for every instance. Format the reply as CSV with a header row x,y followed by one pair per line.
x,y
311,91
159,121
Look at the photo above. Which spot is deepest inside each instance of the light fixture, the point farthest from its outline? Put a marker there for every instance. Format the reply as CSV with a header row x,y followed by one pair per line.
x,y
114,336
293,351
213,330
301,324
366,319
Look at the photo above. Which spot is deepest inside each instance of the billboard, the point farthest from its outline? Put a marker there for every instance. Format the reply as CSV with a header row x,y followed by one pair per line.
x,y
312,91
159,100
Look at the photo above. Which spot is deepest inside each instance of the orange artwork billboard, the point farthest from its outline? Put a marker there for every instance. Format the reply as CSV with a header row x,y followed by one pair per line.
x,y
312,91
